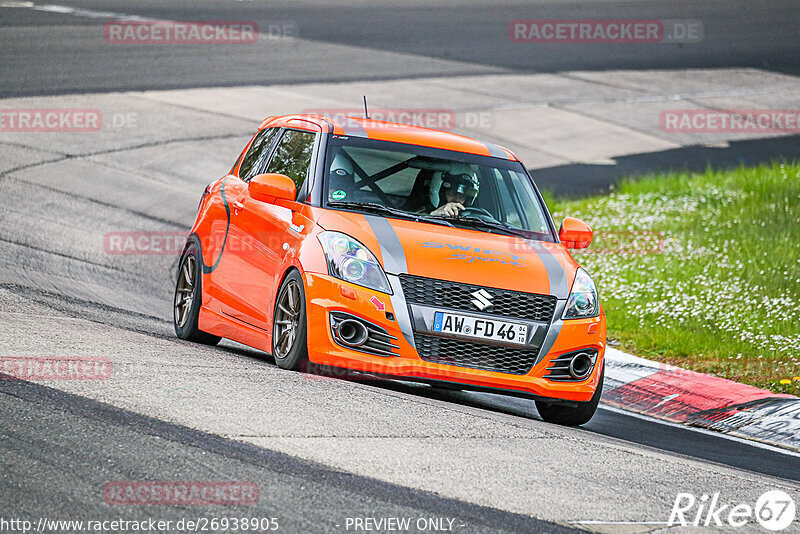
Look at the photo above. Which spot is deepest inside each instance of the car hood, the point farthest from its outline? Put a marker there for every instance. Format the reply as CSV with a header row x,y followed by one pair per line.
x,y
459,255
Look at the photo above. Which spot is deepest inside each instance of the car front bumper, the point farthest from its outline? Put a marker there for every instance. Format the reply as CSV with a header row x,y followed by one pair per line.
x,y
326,294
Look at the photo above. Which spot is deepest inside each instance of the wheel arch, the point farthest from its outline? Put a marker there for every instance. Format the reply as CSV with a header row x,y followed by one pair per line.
x,y
192,238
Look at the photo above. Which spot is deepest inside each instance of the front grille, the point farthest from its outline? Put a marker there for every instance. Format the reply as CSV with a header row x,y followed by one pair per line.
x,y
454,295
512,360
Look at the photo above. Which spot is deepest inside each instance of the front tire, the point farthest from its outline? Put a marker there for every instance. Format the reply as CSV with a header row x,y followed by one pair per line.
x,y
569,415
289,325
189,297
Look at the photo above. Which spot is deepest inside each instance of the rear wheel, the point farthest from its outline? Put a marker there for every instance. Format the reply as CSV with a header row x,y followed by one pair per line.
x,y
572,415
189,297
289,327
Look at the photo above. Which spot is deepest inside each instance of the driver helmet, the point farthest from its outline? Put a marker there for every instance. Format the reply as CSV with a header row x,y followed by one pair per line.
x,y
464,183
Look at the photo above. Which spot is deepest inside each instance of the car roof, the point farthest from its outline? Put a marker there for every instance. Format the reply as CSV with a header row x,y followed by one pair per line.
x,y
389,131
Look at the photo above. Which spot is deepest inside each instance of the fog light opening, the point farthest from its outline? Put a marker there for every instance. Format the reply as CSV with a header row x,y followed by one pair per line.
x,y
580,366
352,333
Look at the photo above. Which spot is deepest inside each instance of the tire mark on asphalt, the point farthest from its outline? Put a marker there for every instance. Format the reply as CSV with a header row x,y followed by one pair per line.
x,y
193,108
83,155
77,308
28,147
62,255
6,173
103,203
165,142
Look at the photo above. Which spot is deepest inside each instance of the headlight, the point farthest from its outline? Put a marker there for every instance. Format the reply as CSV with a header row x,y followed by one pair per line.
x,y
583,301
351,261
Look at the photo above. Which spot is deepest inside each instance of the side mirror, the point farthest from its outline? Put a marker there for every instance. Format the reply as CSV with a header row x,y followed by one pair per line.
x,y
271,187
575,233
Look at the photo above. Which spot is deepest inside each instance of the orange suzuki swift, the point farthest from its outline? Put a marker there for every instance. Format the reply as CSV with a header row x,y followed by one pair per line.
x,y
396,251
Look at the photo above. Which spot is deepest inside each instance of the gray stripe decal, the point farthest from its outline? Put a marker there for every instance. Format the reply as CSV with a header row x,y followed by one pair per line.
x,y
353,128
494,150
559,285
394,263
553,331
394,258
207,269
400,307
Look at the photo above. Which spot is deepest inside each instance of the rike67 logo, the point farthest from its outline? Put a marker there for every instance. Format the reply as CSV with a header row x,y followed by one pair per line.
x,y
774,510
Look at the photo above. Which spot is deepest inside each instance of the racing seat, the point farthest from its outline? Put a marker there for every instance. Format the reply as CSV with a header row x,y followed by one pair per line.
x,y
419,199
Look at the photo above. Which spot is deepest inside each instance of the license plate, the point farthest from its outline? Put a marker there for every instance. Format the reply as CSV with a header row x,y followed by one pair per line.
x,y
479,327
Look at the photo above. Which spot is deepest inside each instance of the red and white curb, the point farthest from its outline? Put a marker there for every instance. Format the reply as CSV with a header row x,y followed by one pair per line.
x,y
695,399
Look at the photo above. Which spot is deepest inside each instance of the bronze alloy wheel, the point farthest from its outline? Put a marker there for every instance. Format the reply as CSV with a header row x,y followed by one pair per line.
x,y
184,293
289,328
189,297
287,318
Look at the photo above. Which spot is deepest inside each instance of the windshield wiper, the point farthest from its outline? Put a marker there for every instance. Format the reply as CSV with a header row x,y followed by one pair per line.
x,y
380,208
472,221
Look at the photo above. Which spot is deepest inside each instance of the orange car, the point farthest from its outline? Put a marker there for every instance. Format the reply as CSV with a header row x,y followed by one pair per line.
x,y
395,251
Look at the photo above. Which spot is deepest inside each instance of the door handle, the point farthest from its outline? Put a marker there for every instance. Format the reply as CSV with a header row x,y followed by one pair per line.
x,y
237,206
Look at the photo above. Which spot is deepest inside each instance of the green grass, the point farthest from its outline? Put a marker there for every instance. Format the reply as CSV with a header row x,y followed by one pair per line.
x,y
711,282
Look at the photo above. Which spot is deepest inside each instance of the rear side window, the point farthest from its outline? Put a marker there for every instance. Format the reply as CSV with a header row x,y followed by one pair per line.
x,y
293,156
258,151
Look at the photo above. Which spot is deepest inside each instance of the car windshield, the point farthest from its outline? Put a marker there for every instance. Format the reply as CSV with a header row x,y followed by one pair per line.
x,y
415,182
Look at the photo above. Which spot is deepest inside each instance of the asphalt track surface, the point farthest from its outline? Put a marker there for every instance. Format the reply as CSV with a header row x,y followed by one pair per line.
x,y
53,53
45,438
320,450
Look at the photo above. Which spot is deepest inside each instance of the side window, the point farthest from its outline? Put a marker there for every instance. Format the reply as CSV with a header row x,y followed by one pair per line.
x,y
510,210
258,150
521,206
293,156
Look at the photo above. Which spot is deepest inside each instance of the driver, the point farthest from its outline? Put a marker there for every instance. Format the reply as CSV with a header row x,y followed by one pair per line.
x,y
457,191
